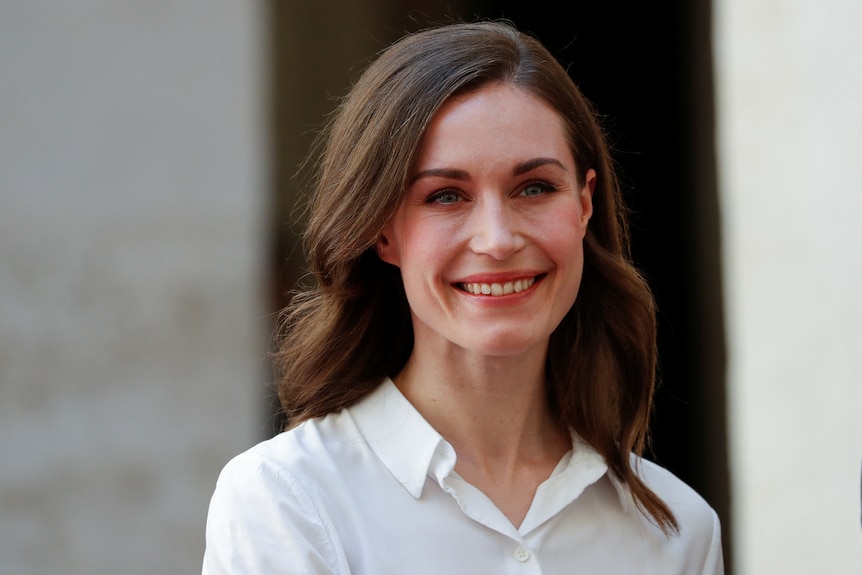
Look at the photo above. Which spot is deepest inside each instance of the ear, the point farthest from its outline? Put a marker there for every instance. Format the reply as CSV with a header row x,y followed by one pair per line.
x,y
587,196
386,250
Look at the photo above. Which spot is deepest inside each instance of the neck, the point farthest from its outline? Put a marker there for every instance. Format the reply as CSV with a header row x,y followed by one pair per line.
x,y
495,414
493,410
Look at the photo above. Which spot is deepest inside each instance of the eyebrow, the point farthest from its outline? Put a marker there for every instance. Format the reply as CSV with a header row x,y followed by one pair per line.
x,y
529,165
448,173
463,175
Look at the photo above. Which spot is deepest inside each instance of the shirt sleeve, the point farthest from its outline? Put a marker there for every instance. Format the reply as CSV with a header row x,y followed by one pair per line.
x,y
714,562
262,522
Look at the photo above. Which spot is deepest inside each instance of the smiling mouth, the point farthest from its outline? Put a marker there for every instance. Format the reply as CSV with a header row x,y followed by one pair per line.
x,y
498,289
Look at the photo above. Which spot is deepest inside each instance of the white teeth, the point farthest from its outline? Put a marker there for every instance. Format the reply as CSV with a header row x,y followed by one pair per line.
x,y
498,289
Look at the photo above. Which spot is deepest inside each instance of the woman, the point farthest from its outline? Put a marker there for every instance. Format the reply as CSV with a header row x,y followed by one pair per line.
x,y
470,381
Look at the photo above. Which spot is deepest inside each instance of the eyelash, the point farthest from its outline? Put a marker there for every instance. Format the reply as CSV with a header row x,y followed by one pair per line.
x,y
436,197
545,187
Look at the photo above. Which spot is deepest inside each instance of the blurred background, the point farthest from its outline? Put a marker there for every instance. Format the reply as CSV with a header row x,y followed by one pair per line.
x,y
148,235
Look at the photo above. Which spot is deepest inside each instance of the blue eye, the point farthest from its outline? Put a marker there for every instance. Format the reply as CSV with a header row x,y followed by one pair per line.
x,y
536,189
444,197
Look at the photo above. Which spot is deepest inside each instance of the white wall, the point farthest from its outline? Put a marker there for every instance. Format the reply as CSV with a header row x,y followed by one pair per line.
x,y
789,78
131,331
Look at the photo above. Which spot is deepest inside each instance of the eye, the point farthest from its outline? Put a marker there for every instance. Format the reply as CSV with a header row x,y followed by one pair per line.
x,y
536,189
443,197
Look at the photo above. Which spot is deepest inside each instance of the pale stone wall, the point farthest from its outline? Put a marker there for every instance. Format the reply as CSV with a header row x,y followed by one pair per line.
x,y
789,77
132,336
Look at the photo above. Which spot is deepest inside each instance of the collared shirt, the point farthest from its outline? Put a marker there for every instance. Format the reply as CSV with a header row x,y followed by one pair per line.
x,y
372,490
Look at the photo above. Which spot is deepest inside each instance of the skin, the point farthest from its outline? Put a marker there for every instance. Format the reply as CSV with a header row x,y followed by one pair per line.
x,y
489,241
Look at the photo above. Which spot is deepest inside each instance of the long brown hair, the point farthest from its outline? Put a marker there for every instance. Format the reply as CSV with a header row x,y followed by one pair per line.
x,y
342,336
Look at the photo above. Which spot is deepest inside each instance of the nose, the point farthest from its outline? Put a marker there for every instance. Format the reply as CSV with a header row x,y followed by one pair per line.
x,y
494,230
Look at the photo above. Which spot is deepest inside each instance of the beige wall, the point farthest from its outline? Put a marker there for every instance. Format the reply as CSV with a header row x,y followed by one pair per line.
x,y
132,207
789,78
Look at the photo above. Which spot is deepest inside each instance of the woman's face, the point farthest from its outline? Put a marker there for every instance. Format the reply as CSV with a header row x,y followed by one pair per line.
x,y
489,235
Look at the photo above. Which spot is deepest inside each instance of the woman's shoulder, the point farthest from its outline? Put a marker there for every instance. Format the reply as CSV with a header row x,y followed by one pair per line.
x,y
699,524
266,505
292,472
301,449
675,492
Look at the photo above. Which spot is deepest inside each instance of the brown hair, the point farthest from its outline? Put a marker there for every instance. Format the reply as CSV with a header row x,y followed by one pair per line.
x,y
340,338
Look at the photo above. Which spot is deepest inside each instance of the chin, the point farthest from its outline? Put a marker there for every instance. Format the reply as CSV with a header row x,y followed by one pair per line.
x,y
509,345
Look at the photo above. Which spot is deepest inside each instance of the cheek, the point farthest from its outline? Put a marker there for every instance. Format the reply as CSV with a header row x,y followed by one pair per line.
x,y
396,245
422,241
411,248
563,236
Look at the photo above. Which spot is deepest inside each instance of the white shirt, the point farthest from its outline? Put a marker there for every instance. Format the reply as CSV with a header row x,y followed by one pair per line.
x,y
372,491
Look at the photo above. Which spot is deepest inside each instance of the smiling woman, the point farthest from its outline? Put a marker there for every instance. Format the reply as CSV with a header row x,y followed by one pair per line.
x,y
472,374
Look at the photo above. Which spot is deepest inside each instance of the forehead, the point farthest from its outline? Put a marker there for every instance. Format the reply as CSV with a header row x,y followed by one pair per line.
x,y
501,121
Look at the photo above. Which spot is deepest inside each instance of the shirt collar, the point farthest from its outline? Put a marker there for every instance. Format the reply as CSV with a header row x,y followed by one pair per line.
x,y
623,492
590,458
400,436
412,450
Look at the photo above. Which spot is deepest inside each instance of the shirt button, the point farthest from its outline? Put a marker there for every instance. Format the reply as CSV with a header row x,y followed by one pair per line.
x,y
522,554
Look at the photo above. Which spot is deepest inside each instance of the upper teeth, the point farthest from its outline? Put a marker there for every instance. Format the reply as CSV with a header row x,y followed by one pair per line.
x,y
498,289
